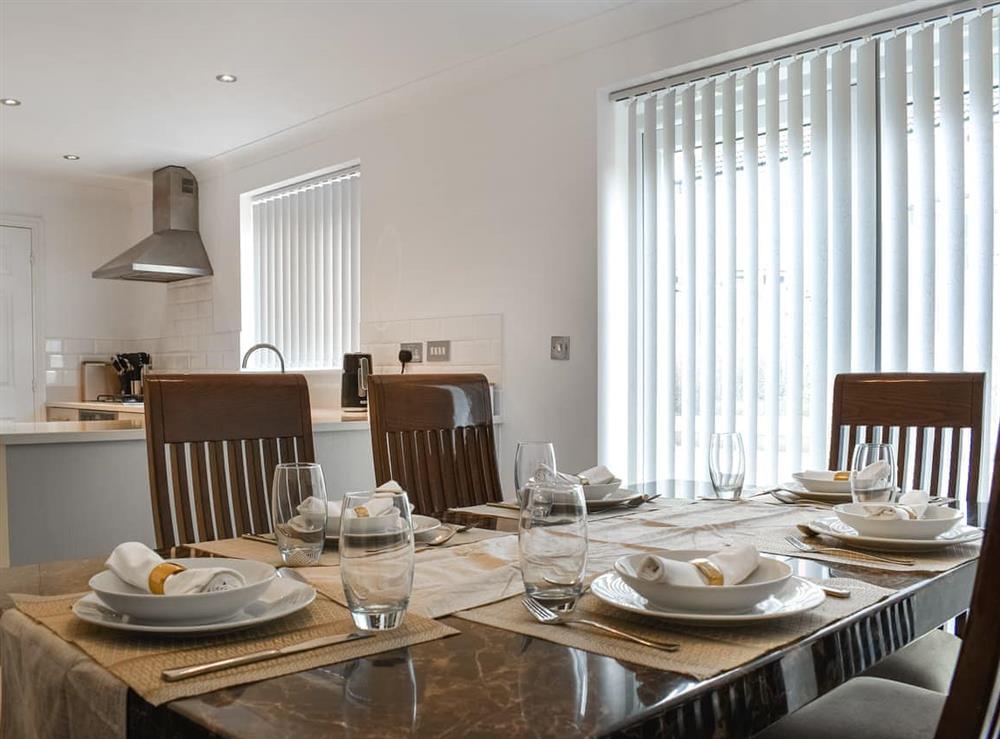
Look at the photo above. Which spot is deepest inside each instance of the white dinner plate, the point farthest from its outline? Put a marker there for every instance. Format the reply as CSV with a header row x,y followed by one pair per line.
x,y
824,497
823,483
282,598
421,525
797,596
833,527
617,498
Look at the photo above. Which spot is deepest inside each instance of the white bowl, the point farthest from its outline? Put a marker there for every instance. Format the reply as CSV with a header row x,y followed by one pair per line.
x,y
602,491
195,607
822,484
769,577
936,520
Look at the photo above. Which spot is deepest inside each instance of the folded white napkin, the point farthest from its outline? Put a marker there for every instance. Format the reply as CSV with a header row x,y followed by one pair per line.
x,y
133,561
827,475
598,475
875,471
910,506
735,563
311,509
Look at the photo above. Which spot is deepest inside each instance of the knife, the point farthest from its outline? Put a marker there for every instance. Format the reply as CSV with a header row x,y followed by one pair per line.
x,y
182,673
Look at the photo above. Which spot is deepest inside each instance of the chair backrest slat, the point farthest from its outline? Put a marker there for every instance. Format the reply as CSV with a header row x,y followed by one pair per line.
x,y
934,404
434,435
972,708
213,442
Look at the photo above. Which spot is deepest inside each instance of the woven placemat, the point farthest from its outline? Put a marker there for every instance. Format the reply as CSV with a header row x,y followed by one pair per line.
x,y
138,659
704,652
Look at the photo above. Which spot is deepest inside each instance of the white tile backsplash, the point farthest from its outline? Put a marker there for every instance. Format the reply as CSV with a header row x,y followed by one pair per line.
x,y
187,342
476,343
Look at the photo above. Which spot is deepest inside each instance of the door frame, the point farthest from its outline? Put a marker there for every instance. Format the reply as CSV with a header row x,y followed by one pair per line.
x,y
36,225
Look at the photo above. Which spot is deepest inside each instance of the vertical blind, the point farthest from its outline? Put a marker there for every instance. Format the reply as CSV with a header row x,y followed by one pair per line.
x,y
307,271
828,212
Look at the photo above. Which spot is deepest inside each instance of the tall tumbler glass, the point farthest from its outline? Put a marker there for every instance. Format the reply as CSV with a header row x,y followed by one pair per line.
x,y
873,473
552,542
298,512
530,457
726,464
376,558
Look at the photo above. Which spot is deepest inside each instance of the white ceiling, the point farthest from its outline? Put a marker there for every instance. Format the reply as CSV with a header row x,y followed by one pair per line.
x,y
130,86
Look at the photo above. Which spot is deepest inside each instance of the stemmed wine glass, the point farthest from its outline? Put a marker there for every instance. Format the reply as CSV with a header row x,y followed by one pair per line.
x,y
530,457
873,473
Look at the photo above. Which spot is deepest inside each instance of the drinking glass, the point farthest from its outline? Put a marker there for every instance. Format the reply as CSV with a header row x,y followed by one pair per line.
x,y
552,542
873,473
298,512
376,558
726,464
530,457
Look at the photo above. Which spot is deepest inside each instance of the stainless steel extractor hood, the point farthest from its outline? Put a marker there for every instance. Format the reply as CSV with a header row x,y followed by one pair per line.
x,y
175,250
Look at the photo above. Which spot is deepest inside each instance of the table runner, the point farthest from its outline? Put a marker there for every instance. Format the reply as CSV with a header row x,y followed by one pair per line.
x,y
52,689
513,514
704,652
257,550
138,659
262,552
715,524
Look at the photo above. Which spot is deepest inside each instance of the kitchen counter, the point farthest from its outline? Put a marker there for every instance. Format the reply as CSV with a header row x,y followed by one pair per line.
x,y
93,405
59,480
59,432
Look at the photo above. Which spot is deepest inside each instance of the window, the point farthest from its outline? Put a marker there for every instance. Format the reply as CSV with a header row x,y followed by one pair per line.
x,y
770,227
302,275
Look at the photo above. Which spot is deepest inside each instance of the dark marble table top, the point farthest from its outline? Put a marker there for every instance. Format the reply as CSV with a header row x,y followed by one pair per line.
x,y
487,682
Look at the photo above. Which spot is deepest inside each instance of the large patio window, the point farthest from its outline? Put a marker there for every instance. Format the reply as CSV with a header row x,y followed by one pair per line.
x,y
829,211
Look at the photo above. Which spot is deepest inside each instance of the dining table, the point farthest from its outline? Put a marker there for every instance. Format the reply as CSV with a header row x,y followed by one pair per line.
x,y
487,678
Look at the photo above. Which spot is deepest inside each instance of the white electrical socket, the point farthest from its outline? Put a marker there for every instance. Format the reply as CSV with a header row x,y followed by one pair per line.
x,y
416,348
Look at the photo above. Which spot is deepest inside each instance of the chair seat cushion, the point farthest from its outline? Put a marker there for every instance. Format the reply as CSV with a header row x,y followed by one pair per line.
x,y
927,662
864,707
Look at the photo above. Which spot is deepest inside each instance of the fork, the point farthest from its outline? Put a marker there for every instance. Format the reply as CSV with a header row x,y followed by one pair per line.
x,y
802,546
547,616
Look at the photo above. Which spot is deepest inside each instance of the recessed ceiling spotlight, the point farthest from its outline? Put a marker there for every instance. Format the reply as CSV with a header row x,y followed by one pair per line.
x,y
226,77
10,101
71,157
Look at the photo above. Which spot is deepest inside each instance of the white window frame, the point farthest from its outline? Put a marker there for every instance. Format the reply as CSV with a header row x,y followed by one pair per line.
x,y
265,361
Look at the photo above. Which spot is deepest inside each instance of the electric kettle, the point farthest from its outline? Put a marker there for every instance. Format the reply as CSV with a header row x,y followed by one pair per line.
x,y
354,383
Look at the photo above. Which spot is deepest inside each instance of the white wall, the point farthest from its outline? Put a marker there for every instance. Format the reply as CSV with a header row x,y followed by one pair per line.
x,y
486,202
82,227
85,225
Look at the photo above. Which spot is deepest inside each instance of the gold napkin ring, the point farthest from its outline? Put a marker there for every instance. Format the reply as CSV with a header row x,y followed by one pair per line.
x,y
841,476
709,570
159,574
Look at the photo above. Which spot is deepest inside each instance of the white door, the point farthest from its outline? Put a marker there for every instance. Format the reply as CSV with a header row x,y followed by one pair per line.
x,y
17,401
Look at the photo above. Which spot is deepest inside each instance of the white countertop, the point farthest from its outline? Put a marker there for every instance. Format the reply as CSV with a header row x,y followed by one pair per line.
x,y
95,405
58,432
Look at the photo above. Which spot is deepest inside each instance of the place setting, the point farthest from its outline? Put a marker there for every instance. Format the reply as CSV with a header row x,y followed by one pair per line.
x,y
141,592
648,602
879,518
602,489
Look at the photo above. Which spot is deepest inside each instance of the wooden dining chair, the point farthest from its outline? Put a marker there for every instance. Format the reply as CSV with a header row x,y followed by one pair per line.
x,y
926,415
434,435
883,709
213,441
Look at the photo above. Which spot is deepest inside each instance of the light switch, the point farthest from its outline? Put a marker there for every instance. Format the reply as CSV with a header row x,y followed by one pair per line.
x,y
438,351
559,348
